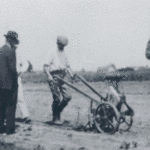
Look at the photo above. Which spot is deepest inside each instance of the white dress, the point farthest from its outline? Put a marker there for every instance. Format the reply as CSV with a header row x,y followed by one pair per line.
x,y
22,66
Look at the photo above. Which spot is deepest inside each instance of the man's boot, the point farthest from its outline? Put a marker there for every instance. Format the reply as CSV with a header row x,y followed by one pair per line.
x,y
57,120
62,105
56,114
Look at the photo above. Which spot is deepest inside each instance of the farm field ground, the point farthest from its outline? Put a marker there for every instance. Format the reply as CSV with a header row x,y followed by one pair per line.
x,y
42,136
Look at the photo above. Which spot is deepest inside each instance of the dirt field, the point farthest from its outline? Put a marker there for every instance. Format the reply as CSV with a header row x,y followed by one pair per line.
x,y
42,136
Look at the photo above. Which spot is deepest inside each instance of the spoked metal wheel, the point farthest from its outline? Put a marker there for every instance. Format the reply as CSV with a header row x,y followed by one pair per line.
x,y
126,121
106,118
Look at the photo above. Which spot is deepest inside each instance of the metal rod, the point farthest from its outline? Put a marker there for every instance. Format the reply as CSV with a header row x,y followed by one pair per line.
x,y
90,87
76,89
91,106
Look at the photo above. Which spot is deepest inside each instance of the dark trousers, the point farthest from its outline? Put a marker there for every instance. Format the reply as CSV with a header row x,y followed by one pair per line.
x,y
58,89
8,101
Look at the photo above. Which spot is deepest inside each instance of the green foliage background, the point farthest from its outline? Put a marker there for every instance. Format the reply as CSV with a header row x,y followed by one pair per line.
x,y
129,74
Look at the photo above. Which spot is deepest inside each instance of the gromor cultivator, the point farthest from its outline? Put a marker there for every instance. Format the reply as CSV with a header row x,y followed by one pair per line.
x,y
104,115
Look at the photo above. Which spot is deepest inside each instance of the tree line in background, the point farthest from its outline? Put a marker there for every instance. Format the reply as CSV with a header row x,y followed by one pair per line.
x,y
128,73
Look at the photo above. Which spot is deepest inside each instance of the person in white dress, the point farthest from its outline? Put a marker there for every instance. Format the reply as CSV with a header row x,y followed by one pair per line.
x,y
22,66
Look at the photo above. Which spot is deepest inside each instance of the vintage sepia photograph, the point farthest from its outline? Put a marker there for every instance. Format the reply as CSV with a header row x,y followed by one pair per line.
x,y
74,74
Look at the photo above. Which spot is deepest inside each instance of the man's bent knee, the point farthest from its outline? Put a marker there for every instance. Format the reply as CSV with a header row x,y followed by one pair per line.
x,y
56,98
68,98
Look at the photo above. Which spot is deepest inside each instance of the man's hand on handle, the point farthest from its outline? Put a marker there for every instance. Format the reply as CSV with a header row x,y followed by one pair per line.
x,y
70,72
46,70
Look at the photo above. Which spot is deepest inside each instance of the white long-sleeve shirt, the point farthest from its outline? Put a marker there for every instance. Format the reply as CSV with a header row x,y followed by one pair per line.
x,y
57,60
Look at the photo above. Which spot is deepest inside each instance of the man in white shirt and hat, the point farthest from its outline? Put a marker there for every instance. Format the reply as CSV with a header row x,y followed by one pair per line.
x,y
57,65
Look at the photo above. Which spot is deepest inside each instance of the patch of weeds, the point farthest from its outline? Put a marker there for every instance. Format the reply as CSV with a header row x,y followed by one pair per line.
x,y
26,139
7,146
70,135
87,128
10,146
29,128
79,128
82,148
134,144
62,148
28,135
39,147
126,145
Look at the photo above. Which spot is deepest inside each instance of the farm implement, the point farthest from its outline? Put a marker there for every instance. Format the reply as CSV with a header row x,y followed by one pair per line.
x,y
103,115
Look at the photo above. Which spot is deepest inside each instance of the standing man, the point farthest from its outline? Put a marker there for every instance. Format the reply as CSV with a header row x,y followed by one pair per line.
x,y
22,66
8,82
147,52
57,65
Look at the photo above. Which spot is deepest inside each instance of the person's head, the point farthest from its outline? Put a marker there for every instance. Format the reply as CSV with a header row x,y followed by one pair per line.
x,y
62,41
12,38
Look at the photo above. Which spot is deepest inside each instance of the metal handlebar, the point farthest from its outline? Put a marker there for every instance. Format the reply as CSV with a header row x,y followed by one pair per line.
x,y
76,89
88,85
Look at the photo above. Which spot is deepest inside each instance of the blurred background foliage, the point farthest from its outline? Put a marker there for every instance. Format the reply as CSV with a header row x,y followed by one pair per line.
x,y
128,73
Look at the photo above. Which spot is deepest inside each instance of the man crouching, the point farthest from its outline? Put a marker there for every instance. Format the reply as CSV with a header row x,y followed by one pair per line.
x,y
57,65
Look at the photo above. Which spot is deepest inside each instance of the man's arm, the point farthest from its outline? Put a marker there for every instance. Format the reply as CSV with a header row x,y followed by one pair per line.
x,y
46,70
47,65
12,61
68,68
11,57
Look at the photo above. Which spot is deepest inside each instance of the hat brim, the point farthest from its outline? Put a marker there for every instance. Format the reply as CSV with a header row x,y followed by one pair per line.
x,y
16,40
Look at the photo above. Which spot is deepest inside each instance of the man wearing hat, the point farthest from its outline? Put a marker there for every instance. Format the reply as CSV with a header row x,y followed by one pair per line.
x,y
147,52
8,82
57,64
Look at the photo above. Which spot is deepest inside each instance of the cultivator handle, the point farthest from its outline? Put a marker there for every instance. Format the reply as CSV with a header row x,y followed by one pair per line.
x,y
88,85
76,89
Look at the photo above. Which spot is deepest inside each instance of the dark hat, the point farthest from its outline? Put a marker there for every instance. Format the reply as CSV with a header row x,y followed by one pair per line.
x,y
62,40
13,35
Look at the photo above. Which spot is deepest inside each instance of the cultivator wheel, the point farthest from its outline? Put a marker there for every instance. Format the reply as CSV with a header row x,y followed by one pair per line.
x,y
106,118
126,121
